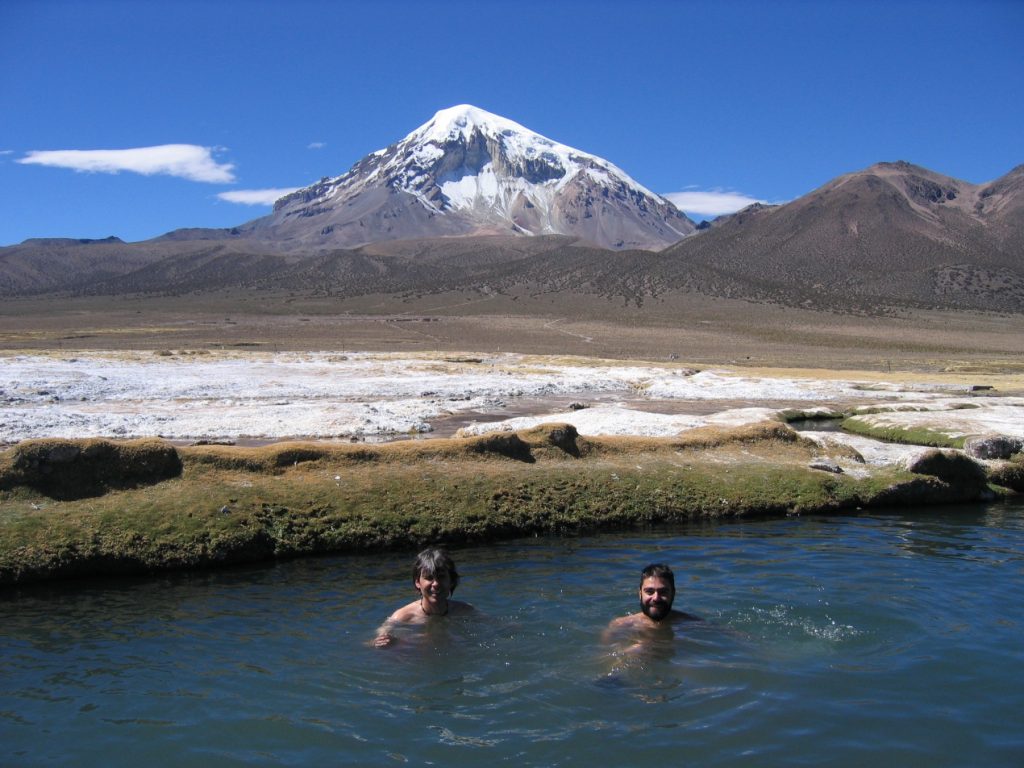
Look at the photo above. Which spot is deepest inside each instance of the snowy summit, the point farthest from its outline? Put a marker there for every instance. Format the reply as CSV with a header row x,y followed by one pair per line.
x,y
467,171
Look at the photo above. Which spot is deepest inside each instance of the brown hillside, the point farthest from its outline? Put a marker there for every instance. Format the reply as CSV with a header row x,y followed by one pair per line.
x,y
894,233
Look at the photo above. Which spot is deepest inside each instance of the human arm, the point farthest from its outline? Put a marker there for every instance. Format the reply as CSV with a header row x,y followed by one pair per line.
x,y
384,637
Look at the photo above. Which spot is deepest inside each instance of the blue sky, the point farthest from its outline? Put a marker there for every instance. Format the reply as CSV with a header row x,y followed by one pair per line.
x,y
225,100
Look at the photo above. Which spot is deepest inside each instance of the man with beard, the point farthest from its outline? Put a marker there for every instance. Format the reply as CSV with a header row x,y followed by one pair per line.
x,y
657,593
643,644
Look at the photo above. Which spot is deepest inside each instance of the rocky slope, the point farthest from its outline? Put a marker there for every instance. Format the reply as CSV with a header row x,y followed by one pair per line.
x,y
469,172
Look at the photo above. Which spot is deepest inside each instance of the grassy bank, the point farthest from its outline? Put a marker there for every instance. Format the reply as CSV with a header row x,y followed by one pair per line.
x,y
71,508
859,425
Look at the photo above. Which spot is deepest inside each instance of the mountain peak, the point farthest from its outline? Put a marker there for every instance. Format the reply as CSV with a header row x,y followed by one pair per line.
x,y
897,167
467,171
461,119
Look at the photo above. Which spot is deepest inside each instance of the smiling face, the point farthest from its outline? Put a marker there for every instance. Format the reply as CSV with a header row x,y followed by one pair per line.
x,y
434,589
656,597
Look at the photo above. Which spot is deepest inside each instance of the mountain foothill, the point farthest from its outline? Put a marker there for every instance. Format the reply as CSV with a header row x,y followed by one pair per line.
x,y
471,201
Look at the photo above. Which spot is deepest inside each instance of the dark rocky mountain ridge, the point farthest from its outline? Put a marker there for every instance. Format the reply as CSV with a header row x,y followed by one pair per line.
x,y
892,235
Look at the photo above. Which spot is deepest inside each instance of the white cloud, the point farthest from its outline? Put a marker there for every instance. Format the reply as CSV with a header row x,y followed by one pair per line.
x,y
713,202
186,161
316,145
256,196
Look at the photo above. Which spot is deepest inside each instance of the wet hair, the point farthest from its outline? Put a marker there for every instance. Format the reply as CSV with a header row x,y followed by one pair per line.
x,y
432,561
660,571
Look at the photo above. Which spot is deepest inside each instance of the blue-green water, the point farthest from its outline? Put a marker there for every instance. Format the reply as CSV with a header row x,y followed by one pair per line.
x,y
893,639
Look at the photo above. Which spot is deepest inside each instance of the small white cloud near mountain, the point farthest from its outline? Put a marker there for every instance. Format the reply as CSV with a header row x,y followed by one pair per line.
x,y
185,161
256,196
714,202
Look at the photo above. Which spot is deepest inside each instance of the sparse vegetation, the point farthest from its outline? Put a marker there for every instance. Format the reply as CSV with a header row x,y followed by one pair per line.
x,y
1009,474
908,435
971,348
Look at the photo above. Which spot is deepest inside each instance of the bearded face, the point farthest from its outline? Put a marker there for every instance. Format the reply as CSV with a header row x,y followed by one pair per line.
x,y
656,596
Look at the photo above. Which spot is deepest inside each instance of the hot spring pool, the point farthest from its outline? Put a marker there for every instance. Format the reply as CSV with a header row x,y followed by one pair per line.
x,y
885,638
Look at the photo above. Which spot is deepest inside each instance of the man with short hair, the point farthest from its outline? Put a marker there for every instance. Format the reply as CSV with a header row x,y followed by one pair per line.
x,y
657,593
435,578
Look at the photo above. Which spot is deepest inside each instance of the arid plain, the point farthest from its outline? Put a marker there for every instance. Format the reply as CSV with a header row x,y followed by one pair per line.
x,y
692,328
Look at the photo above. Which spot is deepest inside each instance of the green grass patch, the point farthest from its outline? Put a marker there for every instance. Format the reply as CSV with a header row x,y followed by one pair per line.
x,y
907,435
231,504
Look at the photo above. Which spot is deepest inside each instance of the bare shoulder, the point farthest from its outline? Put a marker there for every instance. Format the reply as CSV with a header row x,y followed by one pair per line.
x,y
640,621
406,613
624,622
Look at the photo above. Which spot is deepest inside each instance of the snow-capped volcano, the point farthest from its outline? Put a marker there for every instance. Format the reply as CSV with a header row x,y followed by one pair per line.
x,y
469,172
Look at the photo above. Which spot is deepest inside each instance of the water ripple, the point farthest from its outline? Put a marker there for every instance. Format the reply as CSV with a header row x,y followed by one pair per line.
x,y
827,640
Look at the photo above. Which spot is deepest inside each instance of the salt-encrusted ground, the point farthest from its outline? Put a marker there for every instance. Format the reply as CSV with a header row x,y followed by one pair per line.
x,y
367,396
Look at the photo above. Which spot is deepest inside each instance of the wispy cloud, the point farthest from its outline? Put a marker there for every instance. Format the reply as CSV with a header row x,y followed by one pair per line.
x,y
186,161
256,196
713,202
316,145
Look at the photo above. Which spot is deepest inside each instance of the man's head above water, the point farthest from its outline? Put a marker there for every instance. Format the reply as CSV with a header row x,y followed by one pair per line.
x,y
434,578
656,615
660,570
435,564
657,591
